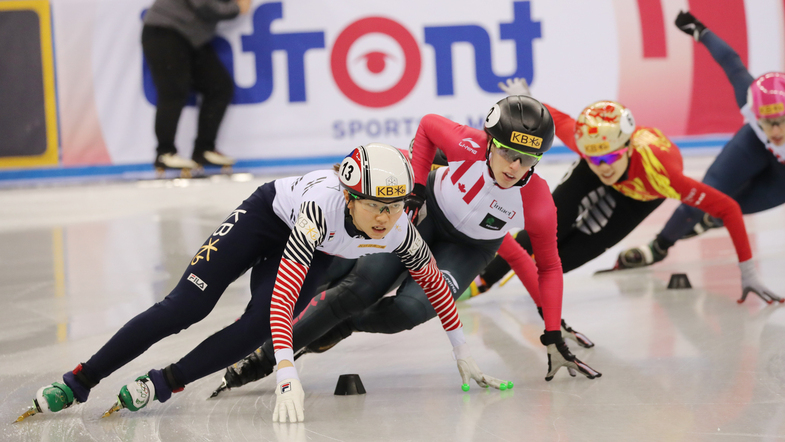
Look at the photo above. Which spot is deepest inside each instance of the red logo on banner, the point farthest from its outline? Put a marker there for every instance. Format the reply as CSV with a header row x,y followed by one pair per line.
x,y
376,62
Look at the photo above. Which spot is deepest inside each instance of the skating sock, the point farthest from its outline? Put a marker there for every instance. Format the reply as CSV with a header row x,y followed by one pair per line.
x,y
663,244
79,383
165,382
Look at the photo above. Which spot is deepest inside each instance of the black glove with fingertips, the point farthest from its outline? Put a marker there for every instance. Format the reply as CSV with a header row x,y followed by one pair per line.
x,y
414,202
690,25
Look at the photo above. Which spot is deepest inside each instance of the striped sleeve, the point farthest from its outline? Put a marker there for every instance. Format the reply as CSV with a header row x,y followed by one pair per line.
x,y
417,257
308,232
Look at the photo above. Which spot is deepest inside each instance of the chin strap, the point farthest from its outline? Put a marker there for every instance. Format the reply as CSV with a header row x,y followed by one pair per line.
x,y
348,224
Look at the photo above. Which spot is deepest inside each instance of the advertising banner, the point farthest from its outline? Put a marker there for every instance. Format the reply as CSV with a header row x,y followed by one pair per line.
x,y
315,79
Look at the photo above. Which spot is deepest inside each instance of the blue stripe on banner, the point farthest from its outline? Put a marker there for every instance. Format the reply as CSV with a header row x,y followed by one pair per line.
x,y
684,143
94,171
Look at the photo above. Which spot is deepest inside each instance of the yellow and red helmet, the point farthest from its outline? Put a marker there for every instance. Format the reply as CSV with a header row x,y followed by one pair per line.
x,y
603,127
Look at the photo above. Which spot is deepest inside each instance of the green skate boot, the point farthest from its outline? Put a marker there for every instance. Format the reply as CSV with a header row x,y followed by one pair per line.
x,y
50,399
134,396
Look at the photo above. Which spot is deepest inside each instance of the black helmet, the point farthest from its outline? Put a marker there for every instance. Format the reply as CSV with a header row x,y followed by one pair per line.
x,y
519,122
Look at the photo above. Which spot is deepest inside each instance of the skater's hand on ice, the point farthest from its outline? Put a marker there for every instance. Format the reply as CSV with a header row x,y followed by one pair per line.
x,y
289,401
469,370
515,86
751,283
559,356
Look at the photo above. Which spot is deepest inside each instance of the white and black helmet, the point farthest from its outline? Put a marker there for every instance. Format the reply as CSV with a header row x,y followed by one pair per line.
x,y
377,171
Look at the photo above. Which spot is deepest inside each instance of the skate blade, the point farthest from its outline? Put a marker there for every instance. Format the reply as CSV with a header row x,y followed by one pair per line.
x,y
221,388
116,407
26,414
507,278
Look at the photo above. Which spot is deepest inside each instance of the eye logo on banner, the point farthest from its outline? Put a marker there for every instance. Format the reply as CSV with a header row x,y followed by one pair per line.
x,y
369,76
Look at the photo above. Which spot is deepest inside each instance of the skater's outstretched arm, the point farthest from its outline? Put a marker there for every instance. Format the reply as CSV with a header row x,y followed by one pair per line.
x,y
723,54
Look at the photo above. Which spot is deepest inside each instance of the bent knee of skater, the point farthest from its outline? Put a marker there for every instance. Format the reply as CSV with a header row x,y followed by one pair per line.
x,y
411,313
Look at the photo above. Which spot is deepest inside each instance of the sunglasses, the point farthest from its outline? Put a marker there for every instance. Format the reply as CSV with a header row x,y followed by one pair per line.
x,y
608,158
511,155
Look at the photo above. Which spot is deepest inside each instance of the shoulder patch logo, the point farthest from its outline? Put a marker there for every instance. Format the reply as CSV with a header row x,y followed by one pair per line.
x,y
470,145
415,247
307,227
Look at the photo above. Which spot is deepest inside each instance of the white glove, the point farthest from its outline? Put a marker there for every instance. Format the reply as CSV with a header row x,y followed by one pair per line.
x,y
515,86
751,283
469,370
560,356
289,400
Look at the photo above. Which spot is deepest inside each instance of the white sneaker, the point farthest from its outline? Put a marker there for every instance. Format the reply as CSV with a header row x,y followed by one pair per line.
x,y
174,161
217,159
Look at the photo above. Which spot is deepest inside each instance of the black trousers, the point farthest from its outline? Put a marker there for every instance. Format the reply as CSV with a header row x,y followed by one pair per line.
x,y
177,68
591,218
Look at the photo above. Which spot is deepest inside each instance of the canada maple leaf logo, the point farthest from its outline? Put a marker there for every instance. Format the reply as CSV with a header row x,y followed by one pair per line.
x,y
462,188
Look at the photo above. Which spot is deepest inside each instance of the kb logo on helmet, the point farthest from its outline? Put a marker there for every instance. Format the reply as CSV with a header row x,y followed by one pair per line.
x,y
526,140
390,191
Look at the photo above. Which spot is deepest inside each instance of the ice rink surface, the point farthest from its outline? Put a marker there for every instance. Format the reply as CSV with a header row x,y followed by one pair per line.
x,y
78,261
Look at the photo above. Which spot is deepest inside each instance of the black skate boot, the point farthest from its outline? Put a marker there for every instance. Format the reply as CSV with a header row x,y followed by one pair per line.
x,y
641,256
707,222
331,338
253,367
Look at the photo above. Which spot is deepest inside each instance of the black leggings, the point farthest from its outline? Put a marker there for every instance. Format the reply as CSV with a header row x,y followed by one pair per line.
x,y
592,218
253,239
177,68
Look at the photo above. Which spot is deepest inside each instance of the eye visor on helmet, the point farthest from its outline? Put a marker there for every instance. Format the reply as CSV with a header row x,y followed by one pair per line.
x,y
375,206
769,123
608,158
510,154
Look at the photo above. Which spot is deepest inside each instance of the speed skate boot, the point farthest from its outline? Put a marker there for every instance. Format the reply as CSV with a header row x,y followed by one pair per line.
x,y
155,385
331,338
571,333
641,256
174,161
57,396
253,367
214,158
707,222
50,399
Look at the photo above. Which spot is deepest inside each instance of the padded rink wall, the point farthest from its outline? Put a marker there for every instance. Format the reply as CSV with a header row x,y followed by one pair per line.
x,y
28,117
314,79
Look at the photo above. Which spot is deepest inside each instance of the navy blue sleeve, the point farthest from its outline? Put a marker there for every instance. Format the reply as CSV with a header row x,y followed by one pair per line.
x,y
731,63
